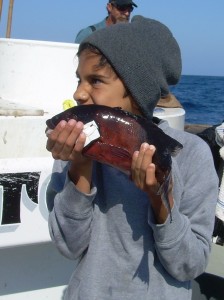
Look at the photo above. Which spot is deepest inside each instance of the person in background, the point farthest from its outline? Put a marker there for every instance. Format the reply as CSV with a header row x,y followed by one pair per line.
x,y
117,227
118,11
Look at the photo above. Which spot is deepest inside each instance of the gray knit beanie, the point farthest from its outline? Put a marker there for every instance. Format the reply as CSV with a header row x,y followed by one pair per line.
x,y
144,54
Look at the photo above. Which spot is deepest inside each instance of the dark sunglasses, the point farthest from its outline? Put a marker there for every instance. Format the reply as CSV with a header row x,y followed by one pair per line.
x,y
123,7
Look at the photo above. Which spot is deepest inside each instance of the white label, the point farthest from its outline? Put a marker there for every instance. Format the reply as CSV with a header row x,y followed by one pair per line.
x,y
91,131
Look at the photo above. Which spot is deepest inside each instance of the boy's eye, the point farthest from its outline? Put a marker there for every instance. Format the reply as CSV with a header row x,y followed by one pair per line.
x,y
92,81
95,80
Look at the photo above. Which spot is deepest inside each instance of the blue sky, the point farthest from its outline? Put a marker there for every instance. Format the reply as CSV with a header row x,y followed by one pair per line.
x,y
197,25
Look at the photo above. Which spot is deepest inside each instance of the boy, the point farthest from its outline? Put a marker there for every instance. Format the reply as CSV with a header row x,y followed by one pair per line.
x,y
118,229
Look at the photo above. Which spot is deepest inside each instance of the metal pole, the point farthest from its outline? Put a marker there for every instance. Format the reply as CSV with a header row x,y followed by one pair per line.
x,y
1,1
9,23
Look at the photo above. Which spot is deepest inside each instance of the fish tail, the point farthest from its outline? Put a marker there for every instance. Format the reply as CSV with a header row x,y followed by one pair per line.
x,y
164,192
175,148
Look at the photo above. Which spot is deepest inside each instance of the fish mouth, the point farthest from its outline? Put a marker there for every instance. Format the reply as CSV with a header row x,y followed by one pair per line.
x,y
48,131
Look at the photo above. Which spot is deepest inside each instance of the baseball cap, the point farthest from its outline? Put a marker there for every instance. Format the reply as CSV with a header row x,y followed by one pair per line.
x,y
123,2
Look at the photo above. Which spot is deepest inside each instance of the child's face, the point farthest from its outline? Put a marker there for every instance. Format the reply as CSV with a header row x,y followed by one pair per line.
x,y
100,85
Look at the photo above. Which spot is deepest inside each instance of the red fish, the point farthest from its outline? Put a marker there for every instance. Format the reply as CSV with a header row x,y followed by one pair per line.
x,y
121,133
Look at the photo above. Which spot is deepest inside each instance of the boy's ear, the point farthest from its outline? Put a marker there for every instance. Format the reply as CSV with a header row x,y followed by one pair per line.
x,y
109,7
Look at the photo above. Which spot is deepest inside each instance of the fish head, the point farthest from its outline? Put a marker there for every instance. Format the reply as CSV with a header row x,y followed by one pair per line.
x,y
83,113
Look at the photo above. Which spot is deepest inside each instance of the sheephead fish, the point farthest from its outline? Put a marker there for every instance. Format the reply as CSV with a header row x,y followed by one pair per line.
x,y
121,133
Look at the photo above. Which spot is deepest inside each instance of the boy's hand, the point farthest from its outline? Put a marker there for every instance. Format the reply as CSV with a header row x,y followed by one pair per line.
x,y
67,140
149,179
143,170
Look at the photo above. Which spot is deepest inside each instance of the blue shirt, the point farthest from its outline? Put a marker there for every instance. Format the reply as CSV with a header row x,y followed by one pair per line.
x,y
83,33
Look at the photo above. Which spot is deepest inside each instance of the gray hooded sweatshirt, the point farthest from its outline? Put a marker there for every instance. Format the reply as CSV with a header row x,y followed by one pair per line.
x,y
121,253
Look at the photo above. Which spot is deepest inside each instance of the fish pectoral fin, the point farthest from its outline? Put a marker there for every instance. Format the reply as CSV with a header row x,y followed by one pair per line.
x,y
117,151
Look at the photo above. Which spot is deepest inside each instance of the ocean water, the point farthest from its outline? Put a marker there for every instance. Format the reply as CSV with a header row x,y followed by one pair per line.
x,y
202,97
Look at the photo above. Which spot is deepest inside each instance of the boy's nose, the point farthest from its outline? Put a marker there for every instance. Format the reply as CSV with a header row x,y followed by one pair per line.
x,y
80,96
